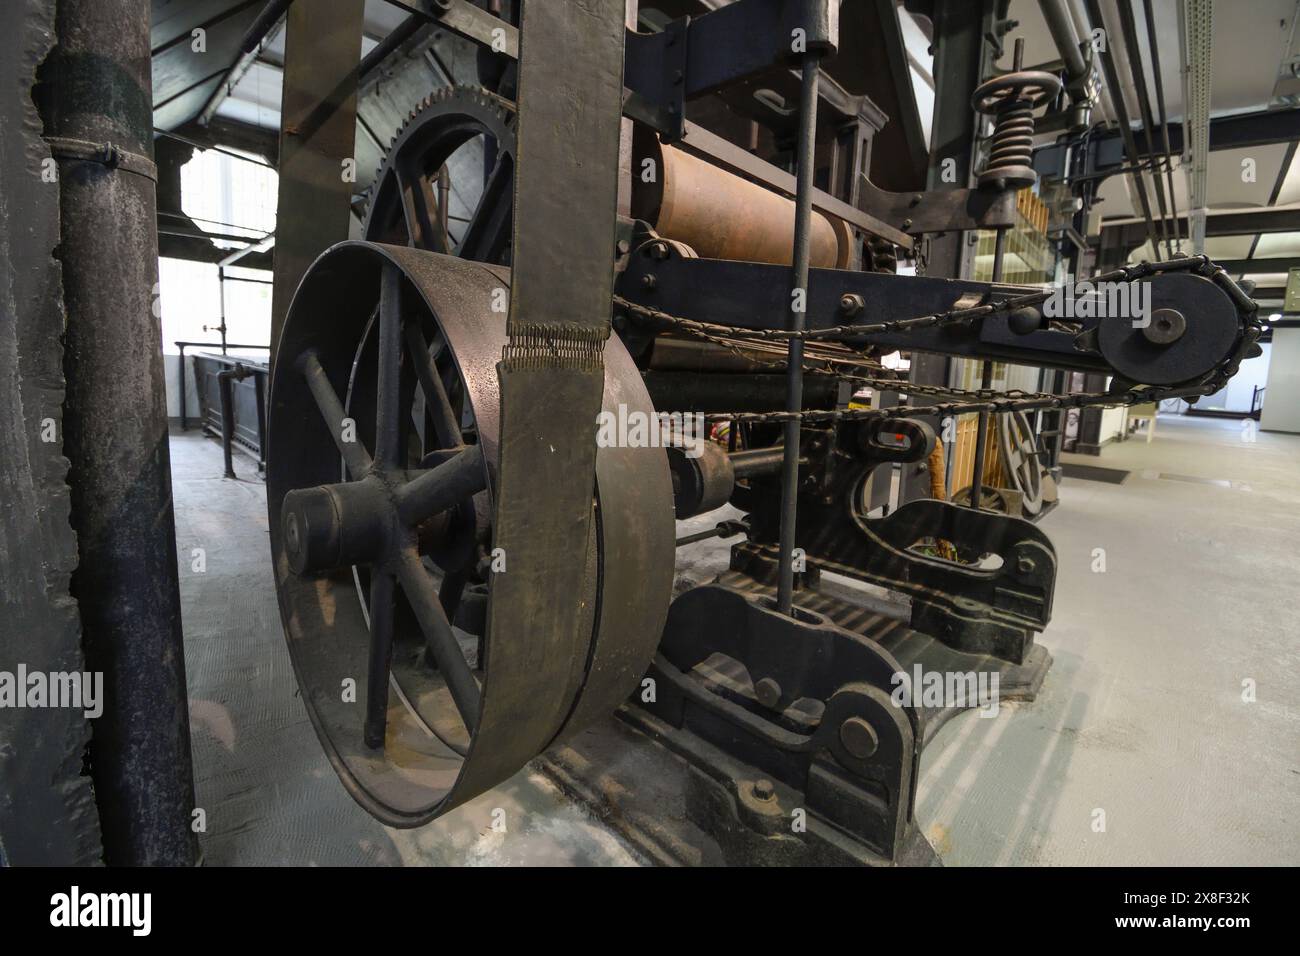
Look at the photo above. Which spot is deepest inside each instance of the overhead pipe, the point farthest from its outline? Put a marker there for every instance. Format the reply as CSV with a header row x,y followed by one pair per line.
x,y
1061,26
1083,28
1108,58
1164,118
1129,25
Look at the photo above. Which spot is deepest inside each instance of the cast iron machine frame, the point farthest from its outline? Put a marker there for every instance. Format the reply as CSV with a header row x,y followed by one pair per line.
x,y
772,686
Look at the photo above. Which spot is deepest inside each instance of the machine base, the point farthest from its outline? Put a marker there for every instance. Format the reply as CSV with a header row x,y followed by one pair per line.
x,y
682,800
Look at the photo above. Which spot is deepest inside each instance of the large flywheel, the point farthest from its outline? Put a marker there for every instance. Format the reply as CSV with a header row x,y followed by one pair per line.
x,y
385,426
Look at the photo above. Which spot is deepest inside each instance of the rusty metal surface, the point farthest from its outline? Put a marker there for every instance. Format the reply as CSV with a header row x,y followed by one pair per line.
x,y
722,216
318,128
626,591
47,808
116,437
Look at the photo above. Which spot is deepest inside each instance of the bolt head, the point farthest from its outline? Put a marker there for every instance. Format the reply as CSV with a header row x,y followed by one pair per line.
x,y
764,789
859,737
851,303
1166,327
767,691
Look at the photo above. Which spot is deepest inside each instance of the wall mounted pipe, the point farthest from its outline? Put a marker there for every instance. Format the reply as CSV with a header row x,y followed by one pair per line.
x,y
97,89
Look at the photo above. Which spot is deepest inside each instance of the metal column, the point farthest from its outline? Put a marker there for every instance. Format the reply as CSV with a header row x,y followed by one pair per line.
x,y
98,90
318,128
806,158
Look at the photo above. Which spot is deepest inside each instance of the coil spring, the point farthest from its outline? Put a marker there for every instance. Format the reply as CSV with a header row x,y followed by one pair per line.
x,y
1011,149
1011,100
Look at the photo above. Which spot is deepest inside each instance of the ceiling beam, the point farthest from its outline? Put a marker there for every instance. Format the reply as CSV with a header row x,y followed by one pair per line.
x,y
1261,266
1133,234
1242,131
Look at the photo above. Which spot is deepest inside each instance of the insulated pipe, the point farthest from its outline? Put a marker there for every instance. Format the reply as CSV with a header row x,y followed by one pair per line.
x,y
722,216
97,90
1064,36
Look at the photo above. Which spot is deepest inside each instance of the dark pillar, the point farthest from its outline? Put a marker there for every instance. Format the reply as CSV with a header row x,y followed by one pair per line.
x,y
98,89
47,805
318,130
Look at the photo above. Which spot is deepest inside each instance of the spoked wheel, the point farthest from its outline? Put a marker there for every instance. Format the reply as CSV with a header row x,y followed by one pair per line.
x,y
1019,447
381,488
459,139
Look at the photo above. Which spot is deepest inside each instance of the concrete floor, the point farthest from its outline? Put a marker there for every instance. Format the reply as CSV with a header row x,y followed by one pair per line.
x,y
1141,717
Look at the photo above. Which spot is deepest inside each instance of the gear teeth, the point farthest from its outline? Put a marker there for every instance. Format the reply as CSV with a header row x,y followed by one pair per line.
x,y
500,108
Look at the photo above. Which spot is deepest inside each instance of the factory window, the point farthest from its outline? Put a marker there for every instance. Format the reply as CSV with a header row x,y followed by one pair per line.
x,y
233,200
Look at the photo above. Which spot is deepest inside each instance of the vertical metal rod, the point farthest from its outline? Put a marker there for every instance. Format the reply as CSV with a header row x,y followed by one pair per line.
x,y
444,206
98,89
226,389
806,157
986,381
259,383
181,348
381,656
221,288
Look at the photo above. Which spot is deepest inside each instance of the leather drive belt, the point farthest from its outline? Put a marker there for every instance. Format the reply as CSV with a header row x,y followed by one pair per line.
x,y
551,375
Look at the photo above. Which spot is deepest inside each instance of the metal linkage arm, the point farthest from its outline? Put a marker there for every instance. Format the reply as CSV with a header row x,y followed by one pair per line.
x,y
1179,326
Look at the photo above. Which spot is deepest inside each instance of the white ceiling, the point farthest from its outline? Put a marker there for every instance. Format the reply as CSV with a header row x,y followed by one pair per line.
x,y
1253,41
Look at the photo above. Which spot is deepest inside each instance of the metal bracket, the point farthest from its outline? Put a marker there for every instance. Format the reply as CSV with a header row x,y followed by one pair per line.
x,y
654,78
472,23
106,154
939,210
694,56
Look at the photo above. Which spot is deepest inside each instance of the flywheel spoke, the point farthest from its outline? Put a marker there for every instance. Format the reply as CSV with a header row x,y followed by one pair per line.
x,y
415,208
489,227
381,656
437,489
423,598
331,410
389,435
445,420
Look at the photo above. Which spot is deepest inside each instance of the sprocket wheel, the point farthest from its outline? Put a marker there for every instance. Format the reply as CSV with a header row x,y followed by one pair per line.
x,y
405,205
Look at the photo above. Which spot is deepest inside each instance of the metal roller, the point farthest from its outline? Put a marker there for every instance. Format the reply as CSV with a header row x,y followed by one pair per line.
x,y
722,216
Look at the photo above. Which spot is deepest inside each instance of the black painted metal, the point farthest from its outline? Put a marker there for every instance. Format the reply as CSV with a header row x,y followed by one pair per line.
x,y
98,89
692,57
753,295
799,296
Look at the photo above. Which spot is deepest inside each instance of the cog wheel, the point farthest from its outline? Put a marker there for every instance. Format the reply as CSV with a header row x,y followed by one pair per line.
x,y
433,166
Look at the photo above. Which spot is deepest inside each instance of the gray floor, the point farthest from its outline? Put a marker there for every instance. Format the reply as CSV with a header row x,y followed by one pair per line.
x,y
1142,716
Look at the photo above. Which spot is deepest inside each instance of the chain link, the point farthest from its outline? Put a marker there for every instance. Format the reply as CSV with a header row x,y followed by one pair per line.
x,y
735,338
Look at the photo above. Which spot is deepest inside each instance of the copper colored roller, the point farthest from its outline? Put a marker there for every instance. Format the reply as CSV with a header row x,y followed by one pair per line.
x,y
722,216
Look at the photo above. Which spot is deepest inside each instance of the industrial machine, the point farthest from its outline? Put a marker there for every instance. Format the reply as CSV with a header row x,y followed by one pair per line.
x,y
470,576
